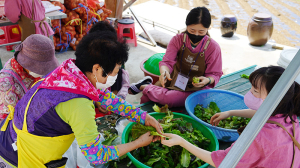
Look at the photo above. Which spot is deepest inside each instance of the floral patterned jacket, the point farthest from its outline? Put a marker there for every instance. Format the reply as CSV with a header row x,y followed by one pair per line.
x,y
14,82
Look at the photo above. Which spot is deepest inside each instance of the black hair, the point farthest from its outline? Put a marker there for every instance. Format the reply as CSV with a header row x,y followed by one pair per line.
x,y
267,77
103,26
100,47
199,15
16,55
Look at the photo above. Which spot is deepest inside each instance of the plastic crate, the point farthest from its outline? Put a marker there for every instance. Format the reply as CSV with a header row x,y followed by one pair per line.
x,y
226,100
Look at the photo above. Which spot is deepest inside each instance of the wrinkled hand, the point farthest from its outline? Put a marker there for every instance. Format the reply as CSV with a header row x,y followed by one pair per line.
x,y
150,121
203,81
101,109
162,78
144,140
173,140
215,119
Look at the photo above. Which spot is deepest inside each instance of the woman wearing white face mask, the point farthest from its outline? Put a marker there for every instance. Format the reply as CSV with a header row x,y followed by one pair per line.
x,y
34,58
60,107
277,144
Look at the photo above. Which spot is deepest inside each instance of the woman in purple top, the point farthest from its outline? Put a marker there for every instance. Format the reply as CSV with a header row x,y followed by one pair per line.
x,y
190,54
277,144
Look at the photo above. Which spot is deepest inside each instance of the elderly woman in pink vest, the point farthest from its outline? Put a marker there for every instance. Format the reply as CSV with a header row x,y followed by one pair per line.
x,y
191,54
30,15
34,58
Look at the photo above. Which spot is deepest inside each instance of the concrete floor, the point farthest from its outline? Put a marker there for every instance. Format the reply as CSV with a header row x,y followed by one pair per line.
x,y
237,53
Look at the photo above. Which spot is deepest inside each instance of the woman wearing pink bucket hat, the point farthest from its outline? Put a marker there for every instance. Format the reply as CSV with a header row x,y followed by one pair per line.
x,y
34,58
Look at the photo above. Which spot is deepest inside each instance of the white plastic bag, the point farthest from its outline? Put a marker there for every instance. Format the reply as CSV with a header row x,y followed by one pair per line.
x,y
76,158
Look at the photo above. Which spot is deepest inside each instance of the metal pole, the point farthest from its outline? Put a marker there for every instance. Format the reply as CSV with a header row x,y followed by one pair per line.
x,y
262,114
141,24
7,44
128,4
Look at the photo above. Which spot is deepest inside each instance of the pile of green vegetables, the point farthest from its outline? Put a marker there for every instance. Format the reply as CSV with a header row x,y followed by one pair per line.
x,y
205,114
157,155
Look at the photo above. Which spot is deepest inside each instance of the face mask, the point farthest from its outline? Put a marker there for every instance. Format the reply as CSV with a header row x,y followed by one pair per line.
x,y
252,102
194,38
109,82
35,75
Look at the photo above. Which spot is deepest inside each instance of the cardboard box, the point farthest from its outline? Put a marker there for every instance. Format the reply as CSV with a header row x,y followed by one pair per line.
x,y
116,6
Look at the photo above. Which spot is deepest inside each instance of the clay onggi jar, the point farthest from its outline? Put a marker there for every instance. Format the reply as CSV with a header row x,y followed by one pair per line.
x,y
228,25
260,29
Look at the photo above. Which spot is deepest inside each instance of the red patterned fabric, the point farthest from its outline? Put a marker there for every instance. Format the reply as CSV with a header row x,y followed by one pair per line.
x,y
68,77
20,70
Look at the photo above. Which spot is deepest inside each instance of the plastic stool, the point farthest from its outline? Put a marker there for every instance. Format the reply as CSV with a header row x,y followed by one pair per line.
x,y
11,34
127,23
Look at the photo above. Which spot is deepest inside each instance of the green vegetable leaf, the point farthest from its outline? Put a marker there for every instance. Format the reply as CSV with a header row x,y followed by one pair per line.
x,y
189,127
185,158
108,141
245,76
166,126
152,160
168,118
139,129
205,114
196,80
177,132
196,160
129,164
165,109
174,156
157,134
156,108
214,107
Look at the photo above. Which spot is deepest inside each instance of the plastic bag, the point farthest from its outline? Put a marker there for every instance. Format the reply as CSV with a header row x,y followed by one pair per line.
x,y
120,128
74,4
57,3
73,18
76,158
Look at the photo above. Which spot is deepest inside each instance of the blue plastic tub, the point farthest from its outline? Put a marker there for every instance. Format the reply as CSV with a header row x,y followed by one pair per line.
x,y
226,100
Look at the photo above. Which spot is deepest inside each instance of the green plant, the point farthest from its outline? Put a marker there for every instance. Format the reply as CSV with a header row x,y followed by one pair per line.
x,y
157,155
205,114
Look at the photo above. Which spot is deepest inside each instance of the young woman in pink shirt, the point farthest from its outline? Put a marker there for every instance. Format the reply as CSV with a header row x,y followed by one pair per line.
x,y
190,54
273,146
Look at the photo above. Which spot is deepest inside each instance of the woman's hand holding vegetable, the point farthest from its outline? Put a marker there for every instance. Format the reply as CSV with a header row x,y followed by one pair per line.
x,y
173,140
247,113
203,81
150,121
144,140
215,119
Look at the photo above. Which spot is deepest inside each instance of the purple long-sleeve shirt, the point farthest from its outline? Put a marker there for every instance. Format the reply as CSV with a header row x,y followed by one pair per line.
x,y
213,56
14,9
